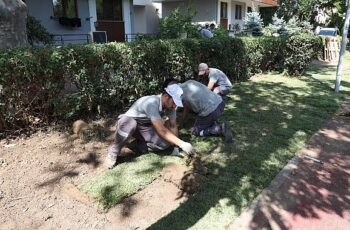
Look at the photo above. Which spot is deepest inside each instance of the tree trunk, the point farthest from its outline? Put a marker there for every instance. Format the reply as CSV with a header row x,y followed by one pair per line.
x,y
13,18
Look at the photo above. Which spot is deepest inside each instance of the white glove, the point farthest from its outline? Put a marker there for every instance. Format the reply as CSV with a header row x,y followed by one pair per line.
x,y
187,147
176,152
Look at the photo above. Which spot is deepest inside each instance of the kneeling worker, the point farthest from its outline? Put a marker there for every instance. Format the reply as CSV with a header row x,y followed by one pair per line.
x,y
207,105
143,121
218,81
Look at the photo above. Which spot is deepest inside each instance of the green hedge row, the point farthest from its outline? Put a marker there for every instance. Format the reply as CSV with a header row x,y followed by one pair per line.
x,y
69,82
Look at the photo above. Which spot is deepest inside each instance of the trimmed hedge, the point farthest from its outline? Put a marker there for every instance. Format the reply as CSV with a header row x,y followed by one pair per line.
x,y
45,83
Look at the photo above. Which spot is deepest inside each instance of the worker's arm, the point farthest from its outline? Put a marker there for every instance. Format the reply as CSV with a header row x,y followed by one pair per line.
x,y
173,127
170,137
211,85
166,133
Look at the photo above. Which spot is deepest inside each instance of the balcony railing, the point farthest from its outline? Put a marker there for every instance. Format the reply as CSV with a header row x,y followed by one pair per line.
x,y
62,39
133,37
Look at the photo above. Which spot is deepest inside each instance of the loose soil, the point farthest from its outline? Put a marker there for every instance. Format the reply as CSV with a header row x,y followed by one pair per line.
x,y
39,176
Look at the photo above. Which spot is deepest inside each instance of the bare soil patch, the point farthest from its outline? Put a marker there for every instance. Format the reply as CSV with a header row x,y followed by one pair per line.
x,y
39,176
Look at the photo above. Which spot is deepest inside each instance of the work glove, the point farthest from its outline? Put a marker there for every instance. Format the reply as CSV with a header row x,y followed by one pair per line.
x,y
176,152
187,147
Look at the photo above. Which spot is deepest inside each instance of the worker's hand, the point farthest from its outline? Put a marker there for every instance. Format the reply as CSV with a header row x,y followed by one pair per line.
x,y
187,147
176,152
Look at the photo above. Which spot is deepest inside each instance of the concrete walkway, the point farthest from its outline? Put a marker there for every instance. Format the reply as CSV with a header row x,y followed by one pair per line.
x,y
308,194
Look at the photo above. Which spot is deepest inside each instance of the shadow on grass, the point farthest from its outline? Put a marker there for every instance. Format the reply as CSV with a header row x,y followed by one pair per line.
x,y
314,188
270,122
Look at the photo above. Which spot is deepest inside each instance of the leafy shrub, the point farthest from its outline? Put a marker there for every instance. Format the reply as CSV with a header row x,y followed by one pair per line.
x,y
36,33
300,49
42,84
176,23
220,33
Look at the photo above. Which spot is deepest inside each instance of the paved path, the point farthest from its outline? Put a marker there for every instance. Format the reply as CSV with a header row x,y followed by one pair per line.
x,y
307,194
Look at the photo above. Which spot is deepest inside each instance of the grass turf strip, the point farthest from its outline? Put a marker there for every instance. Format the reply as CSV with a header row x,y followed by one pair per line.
x,y
272,117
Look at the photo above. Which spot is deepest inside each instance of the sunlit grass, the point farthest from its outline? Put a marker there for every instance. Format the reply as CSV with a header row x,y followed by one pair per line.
x,y
272,117
127,178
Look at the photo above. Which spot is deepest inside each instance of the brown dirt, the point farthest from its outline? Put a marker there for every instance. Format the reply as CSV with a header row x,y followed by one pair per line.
x,y
38,179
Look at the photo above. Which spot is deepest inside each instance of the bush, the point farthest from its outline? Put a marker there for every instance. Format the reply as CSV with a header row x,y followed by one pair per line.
x,y
46,83
300,49
36,33
220,33
176,23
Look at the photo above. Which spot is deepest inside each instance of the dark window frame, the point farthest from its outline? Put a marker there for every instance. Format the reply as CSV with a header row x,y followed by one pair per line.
x,y
116,4
223,9
238,12
64,8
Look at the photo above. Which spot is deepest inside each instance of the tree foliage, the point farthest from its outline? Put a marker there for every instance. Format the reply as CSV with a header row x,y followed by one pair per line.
x,y
253,23
175,23
307,10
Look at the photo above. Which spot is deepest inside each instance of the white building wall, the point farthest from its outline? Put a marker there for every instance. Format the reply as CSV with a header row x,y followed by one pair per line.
x,y
93,14
128,16
42,10
140,19
146,17
244,6
152,19
206,9
209,10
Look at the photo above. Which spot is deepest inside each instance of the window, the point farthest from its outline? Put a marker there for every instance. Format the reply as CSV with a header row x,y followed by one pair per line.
x,y
65,8
223,9
109,10
238,12
249,9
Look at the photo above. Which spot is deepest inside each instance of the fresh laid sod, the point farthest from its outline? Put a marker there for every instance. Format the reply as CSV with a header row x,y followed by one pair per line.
x,y
110,187
272,116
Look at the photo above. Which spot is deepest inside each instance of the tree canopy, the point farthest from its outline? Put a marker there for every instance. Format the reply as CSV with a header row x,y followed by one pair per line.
x,y
307,10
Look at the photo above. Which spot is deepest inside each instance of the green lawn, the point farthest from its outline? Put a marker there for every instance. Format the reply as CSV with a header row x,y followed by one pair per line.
x,y
271,117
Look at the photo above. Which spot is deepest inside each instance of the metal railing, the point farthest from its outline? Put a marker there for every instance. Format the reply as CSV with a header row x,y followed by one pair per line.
x,y
62,39
137,36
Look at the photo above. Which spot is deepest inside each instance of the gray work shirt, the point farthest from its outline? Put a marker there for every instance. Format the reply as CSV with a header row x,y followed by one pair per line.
x,y
149,107
199,98
206,33
219,78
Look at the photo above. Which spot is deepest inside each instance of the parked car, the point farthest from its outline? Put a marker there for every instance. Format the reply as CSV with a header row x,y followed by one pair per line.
x,y
328,32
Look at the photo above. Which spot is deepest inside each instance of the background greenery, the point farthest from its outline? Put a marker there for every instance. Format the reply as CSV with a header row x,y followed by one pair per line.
x,y
42,84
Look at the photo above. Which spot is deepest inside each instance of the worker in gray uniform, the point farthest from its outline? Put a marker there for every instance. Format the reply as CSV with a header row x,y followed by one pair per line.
x,y
144,122
218,81
207,105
